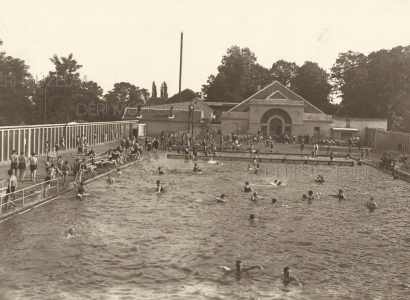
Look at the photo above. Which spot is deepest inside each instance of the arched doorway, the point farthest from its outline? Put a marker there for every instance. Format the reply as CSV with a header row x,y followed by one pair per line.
x,y
276,121
275,126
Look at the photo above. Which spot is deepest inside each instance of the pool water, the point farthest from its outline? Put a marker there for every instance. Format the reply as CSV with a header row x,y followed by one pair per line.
x,y
131,244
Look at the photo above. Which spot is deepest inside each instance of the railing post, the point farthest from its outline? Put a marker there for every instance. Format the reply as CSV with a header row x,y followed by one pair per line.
x,y
23,198
42,191
58,188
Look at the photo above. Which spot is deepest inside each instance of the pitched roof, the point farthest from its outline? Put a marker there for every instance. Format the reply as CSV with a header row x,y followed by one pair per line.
x,y
156,100
187,95
270,90
160,114
342,112
221,103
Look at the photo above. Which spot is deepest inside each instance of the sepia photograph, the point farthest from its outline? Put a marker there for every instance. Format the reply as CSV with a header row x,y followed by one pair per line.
x,y
204,150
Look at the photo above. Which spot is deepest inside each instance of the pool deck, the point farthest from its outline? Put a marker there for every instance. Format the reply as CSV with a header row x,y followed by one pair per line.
x,y
68,155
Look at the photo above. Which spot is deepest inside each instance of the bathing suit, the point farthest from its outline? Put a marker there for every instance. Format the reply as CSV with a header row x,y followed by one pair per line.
x,y
247,189
80,190
14,159
65,169
11,189
22,162
33,163
156,144
160,173
47,179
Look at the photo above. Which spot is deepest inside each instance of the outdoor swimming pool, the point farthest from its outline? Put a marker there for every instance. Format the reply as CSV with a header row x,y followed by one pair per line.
x,y
133,245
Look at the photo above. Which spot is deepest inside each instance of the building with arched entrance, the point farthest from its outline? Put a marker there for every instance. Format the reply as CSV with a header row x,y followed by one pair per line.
x,y
277,110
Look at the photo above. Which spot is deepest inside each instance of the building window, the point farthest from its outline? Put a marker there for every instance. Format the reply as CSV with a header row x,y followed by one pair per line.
x,y
287,128
317,129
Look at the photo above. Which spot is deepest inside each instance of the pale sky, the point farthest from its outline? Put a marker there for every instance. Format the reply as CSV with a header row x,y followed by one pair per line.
x,y
139,41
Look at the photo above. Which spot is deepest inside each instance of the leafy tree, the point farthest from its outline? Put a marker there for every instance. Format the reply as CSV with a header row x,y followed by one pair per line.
x,y
165,90
312,83
351,81
15,103
284,72
124,94
63,91
239,76
154,89
377,85
389,74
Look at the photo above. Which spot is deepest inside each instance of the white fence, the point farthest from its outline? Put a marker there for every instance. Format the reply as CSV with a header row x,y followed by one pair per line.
x,y
33,138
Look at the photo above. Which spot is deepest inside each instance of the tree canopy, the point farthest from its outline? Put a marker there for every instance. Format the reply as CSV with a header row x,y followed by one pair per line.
x,y
239,76
376,85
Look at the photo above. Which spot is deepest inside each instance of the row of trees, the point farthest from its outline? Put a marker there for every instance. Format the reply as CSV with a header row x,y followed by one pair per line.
x,y
24,98
163,90
373,86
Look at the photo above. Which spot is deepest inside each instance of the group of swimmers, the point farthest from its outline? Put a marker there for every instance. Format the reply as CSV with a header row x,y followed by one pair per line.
x,y
240,270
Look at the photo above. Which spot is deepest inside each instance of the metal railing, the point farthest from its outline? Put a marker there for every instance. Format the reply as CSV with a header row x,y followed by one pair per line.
x,y
29,194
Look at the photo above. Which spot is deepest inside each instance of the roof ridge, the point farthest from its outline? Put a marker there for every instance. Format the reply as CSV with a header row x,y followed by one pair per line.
x,y
275,91
252,96
299,96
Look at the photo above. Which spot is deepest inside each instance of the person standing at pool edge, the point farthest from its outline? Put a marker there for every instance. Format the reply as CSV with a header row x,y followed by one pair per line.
x,y
33,166
22,166
11,188
14,162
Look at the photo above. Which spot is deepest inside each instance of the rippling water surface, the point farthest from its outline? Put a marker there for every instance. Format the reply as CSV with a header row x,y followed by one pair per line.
x,y
130,244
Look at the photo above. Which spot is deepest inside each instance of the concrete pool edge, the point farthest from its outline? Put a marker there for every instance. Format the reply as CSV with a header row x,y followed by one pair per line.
x,y
34,204
383,170
271,160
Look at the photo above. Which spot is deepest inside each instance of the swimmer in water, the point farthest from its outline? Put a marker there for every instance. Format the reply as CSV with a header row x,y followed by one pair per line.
x,y
252,218
319,179
239,268
159,187
221,199
249,168
279,183
81,190
273,200
70,233
160,172
110,179
257,169
247,188
212,161
197,169
119,172
371,205
255,197
288,277
340,196
310,197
